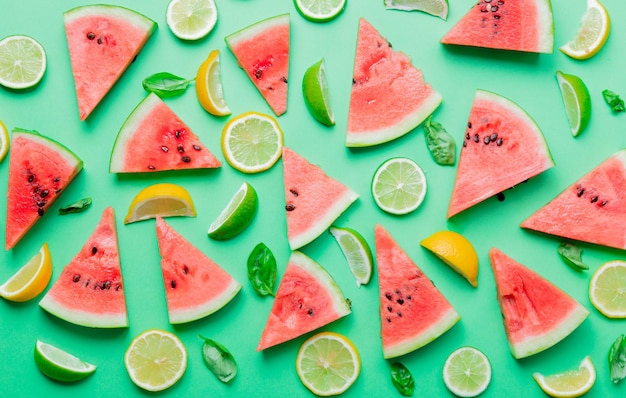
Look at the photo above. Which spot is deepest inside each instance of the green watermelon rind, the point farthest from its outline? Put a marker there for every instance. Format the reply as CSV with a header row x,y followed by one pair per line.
x,y
205,309
255,29
83,318
546,26
134,17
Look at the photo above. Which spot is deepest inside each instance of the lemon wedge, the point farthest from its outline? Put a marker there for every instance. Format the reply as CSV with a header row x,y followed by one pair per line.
x,y
209,86
165,200
30,280
456,251
592,33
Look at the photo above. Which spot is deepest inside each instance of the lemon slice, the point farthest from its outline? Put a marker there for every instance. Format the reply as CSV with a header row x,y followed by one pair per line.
x,y
22,62
467,372
60,365
165,200
237,215
438,8
252,142
191,19
320,10
328,363
607,289
155,360
4,141
592,33
577,101
357,253
316,94
30,280
571,383
209,86
456,251
399,186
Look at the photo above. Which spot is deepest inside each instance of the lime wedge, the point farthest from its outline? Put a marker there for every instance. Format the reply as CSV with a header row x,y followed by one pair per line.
x,y
316,94
357,253
571,383
592,34
191,19
22,62
577,101
399,186
438,8
467,372
320,10
60,365
237,215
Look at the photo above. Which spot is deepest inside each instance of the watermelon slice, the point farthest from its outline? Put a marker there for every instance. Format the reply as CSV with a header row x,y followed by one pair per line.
x,y
593,209
521,25
313,199
154,138
306,299
103,40
536,314
502,147
39,171
90,290
262,51
412,311
195,286
389,97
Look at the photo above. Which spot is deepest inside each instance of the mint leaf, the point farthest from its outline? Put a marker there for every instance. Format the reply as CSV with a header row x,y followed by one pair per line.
x,y
572,255
614,101
617,359
219,360
76,207
440,143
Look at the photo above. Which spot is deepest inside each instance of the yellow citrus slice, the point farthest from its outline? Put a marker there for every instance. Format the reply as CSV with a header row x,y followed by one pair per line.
x,y
592,34
209,86
60,365
607,289
467,372
165,200
191,19
4,141
571,383
30,280
456,251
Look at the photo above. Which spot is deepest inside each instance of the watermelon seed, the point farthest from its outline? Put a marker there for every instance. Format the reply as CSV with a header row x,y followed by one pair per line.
x,y
87,283
388,295
44,193
389,308
400,301
197,147
31,177
486,140
353,81
464,143
499,142
500,196
494,8
408,297
40,211
164,148
177,133
76,278
105,285
388,319
469,125
186,159
284,79
579,191
310,311
100,39
185,269
41,204
594,199
293,192
173,284
476,138
603,203
258,73
91,35
290,207
151,167
180,148
497,16
118,287
56,179
94,250
399,314
494,136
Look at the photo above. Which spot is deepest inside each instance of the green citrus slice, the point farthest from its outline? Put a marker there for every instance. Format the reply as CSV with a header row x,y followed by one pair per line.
x,y
22,62
399,186
467,372
357,253
592,34
320,10
60,365
577,101
607,289
191,19
316,94
438,8
571,383
237,215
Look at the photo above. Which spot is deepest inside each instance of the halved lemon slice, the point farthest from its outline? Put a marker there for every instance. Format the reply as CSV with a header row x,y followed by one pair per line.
x,y
592,33
165,200
607,289
31,279
571,383
4,141
209,86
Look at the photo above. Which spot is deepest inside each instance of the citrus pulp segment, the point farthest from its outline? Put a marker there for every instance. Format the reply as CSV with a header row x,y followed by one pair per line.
x,y
399,186
155,360
209,88
328,363
237,215
60,365
316,93
577,101
31,279
4,141
357,253
252,142
320,10
191,19
22,62
592,34
607,289
570,383
456,251
164,199
467,372
438,8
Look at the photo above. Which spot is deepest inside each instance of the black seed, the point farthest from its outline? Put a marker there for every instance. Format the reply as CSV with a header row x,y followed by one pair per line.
x,y
494,8
494,136
180,148
197,147
476,138
400,301
41,204
91,35
185,269
87,283
173,284
31,178
100,40
186,159
469,125
293,192
258,73
56,179
283,79
76,278
40,211
107,285
397,291
151,167
94,250
500,196
594,199
164,148
36,190
408,297
580,191
388,320
310,312
44,193
499,142
389,309
487,140
353,81
497,16
464,143
467,136
399,314
487,1
388,295
118,287
603,203
290,207
483,10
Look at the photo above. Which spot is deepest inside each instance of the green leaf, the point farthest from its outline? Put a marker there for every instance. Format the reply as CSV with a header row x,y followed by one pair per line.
x,y
572,255
76,207
440,144
614,101
165,84
262,270
402,379
617,359
219,360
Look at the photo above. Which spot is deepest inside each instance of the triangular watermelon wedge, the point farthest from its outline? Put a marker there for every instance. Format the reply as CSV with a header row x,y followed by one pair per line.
x,y
262,51
536,314
195,286
103,40
306,299
593,209
153,138
502,147
90,289
39,171
313,199
389,97
413,312
520,25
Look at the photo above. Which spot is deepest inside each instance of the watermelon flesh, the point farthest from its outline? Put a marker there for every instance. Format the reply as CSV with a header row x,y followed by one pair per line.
x,y
502,147
536,314
389,97
90,289
306,299
39,171
153,138
413,312
520,25
195,286
102,40
593,209
313,199
262,51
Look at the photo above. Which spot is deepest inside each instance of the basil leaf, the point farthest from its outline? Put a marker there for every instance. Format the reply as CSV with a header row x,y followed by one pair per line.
x,y
165,84
440,143
617,359
402,379
262,270
614,101
572,255
219,360
76,207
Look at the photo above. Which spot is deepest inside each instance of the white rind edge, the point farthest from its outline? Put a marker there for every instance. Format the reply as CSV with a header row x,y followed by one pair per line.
x,y
256,28
83,318
137,19
206,309
545,26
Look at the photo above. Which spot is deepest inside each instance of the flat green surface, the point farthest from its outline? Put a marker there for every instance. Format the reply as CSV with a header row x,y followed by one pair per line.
x,y
527,79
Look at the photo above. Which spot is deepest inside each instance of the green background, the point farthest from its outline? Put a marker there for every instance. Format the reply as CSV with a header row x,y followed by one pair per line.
x,y
528,79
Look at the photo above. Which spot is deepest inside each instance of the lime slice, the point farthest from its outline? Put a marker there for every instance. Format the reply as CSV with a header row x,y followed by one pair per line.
x,y
31,279
577,101
592,33
191,19
155,360
456,251
438,8
328,363
607,289
60,365
165,200
237,215
4,141
467,372
320,10
22,62
209,86
357,252
571,383
399,186
252,142
316,94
